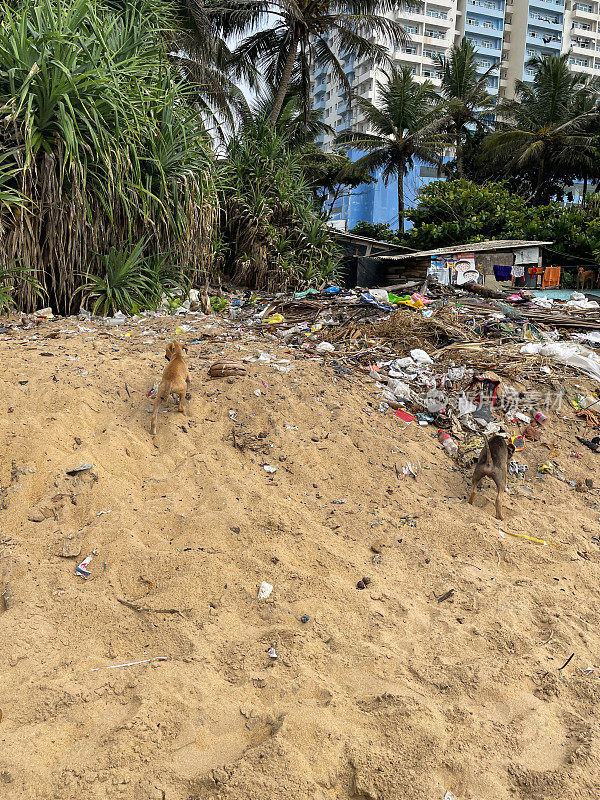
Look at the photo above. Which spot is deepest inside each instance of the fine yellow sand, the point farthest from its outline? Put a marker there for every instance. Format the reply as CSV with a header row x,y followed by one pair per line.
x,y
383,693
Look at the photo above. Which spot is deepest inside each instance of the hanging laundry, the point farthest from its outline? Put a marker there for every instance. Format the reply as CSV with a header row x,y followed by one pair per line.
x,y
551,277
501,272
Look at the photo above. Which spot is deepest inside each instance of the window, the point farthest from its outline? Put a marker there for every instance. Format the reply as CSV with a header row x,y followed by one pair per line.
x,y
436,14
487,24
583,7
411,28
434,34
412,51
485,44
544,18
473,21
545,37
428,172
584,26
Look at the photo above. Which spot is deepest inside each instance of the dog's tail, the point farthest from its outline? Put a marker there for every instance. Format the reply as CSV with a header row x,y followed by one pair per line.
x,y
488,454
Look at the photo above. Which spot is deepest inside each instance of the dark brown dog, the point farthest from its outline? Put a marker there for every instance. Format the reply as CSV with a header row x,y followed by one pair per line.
x,y
585,277
493,463
175,380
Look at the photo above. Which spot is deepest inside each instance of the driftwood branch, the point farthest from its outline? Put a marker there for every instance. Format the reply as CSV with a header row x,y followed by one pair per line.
x,y
136,607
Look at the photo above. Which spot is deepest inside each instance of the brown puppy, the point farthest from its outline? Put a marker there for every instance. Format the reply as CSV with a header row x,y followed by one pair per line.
x,y
493,463
175,380
585,277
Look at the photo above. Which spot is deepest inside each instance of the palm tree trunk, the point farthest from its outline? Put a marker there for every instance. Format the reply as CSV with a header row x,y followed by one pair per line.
x,y
459,154
284,83
584,189
401,198
540,179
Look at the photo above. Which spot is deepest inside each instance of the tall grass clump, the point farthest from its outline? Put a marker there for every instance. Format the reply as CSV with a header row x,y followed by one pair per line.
x,y
99,146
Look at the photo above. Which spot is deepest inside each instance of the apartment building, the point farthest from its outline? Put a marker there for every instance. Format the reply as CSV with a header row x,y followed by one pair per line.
x,y
581,36
506,34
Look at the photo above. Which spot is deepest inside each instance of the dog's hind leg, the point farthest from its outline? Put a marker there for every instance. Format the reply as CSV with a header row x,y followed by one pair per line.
x,y
476,482
501,485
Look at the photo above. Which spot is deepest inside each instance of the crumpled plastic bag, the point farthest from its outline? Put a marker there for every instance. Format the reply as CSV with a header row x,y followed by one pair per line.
x,y
421,357
570,353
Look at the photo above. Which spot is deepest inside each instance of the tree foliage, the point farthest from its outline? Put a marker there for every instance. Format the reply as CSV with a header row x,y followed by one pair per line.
x,y
100,144
273,238
546,131
461,211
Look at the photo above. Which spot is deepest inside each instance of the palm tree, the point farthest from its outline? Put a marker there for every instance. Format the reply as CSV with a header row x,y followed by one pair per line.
x,y
463,89
546,129
208,64
402,128
285,39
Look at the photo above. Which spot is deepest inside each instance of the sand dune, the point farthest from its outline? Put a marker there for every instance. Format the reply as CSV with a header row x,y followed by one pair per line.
x,y
383,693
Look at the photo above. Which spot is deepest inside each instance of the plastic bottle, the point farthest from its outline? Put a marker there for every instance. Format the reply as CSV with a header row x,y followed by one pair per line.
x,y
448,442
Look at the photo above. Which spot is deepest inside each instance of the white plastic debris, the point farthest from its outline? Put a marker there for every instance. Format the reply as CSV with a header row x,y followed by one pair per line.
x,y
82,568
380,294
421,357
403,363
449,796
269,468
264,590
531,348
575,356
325,347
272,652
131,663
523,417
465,406
399,389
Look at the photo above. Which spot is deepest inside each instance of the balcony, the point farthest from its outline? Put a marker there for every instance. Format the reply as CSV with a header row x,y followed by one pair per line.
x,y
545,23
413,11
434,17
408,58
487,46
583,48
543,39
545,6
482,30
485,7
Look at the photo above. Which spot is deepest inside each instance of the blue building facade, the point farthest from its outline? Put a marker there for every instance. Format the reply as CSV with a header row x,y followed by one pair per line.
x,y
506,36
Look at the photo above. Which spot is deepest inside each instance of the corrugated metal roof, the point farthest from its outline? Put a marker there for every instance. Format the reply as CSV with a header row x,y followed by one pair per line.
x,y
472,247
375,242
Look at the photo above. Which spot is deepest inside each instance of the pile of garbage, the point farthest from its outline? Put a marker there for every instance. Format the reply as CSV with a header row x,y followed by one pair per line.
x,y
468,362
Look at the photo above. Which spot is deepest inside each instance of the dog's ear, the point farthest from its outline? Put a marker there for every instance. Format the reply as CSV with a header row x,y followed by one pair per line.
x,y
184,347
511,449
